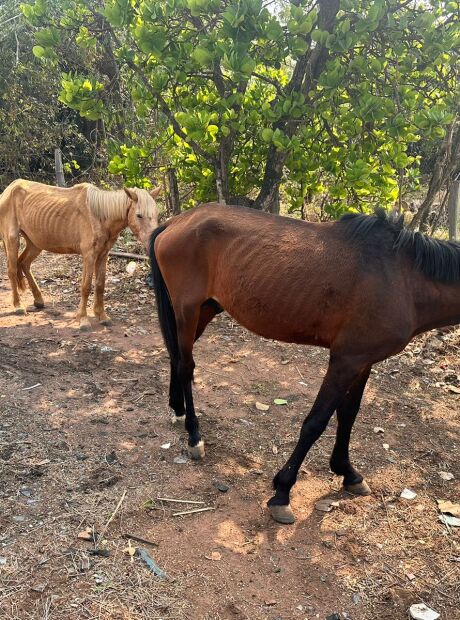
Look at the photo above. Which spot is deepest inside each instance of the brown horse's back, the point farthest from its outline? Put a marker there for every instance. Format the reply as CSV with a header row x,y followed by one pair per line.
x,y
268,272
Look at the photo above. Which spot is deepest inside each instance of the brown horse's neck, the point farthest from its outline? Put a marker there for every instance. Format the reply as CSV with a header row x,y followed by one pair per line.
x,y
438,304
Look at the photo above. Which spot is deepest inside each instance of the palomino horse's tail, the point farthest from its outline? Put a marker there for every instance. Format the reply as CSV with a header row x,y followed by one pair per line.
x,y
165,310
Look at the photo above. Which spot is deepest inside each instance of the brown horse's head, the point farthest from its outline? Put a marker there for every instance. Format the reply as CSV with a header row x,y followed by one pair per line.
x,y
143,212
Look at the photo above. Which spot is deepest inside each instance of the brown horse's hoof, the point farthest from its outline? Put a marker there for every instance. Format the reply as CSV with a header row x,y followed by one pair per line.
x,y
85,327
39,305
178,420
282,514
106,323
20,311
360,488
197,452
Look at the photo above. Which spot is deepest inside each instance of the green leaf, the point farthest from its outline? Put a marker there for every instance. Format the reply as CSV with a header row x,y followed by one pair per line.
x,y
280,401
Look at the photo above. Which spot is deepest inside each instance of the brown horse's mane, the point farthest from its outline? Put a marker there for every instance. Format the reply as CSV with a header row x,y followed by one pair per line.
x,y
106,204
439,260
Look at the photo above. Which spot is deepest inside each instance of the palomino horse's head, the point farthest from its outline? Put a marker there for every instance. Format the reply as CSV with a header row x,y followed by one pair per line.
x,y
143,212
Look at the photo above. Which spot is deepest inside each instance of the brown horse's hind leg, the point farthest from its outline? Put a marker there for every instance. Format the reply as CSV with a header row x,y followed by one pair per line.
x,y
27,257
99,310
346,415
11,243
187,322
176,394
341,375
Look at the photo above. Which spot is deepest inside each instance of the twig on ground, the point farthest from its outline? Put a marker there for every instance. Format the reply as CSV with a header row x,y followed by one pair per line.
x,y
179,501
190,512
111,518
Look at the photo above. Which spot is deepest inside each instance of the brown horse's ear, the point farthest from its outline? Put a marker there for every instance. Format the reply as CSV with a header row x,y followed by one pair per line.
x,y
131,194
156,192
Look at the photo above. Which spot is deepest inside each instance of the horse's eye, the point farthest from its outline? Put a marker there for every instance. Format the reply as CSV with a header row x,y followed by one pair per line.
x,y
139,216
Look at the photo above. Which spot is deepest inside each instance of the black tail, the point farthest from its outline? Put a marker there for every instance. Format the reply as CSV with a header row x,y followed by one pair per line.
x,y
165,309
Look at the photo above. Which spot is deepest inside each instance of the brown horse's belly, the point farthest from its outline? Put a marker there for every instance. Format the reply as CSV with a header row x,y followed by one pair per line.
x,y
278,324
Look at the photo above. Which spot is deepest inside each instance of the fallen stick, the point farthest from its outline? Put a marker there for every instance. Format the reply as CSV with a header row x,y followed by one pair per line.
x,y
31,387
139,539
111,518
128,255
178,501
191,512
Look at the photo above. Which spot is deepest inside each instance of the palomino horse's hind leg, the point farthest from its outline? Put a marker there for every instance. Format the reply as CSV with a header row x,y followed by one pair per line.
x,y
99,310
12,249
347,411
27,257
340,375
87,276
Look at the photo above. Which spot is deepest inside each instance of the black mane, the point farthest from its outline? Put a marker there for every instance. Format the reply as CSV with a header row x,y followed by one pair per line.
x,y
439,260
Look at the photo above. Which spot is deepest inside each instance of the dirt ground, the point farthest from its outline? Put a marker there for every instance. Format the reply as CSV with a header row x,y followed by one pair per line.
x,y
83,418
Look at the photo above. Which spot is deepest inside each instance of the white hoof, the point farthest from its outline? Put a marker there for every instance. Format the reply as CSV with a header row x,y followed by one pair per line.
x,y
178,420
197,452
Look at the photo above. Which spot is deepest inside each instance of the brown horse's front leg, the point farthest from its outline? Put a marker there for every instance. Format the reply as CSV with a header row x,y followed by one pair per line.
x,y
347,411
87,276
14,273
340,376
100,270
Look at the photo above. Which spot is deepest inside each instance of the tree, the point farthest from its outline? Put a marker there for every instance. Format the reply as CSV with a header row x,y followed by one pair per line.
x,y
324,97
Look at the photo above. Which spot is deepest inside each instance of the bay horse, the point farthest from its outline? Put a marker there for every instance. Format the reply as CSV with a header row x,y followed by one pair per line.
x,y
78,220
362,287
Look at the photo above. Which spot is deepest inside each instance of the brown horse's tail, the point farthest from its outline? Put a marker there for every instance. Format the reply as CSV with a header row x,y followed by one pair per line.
x,y
165,310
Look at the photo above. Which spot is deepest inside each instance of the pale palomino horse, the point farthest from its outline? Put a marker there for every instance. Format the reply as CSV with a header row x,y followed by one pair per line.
x,y
79,220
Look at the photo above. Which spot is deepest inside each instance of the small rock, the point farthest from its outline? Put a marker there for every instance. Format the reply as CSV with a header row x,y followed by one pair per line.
x,y
446,475
262,406
221,486
180,460
385,446
85,564
25,492
39,587
408,494
379,429
454,389
356,598
165,446
421,612
2,561
19,519
271,602
106,349
326,505
215,556
334,617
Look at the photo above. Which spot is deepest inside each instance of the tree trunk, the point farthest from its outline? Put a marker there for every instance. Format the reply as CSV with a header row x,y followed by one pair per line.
x,y
444,166
173,192
305,75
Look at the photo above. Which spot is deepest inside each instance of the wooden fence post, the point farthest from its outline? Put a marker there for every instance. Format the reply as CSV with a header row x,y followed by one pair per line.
x,y
453,210
174,199
60,179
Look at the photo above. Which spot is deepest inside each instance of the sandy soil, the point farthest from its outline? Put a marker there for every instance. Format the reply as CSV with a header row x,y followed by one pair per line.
x,y
83,418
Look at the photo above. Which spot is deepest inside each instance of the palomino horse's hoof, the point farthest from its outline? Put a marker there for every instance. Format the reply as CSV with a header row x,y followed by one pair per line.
x,y
106,323
360,488
178,420
85,327
20,311
282,514
39,305
197,452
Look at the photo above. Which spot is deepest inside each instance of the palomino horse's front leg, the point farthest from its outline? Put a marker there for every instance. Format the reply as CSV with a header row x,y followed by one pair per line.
x,y
100,269
27,257
87,277
340,375
11,243
347,411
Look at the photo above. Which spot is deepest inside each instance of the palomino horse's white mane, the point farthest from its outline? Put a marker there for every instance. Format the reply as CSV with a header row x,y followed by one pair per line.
x,y
115,204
